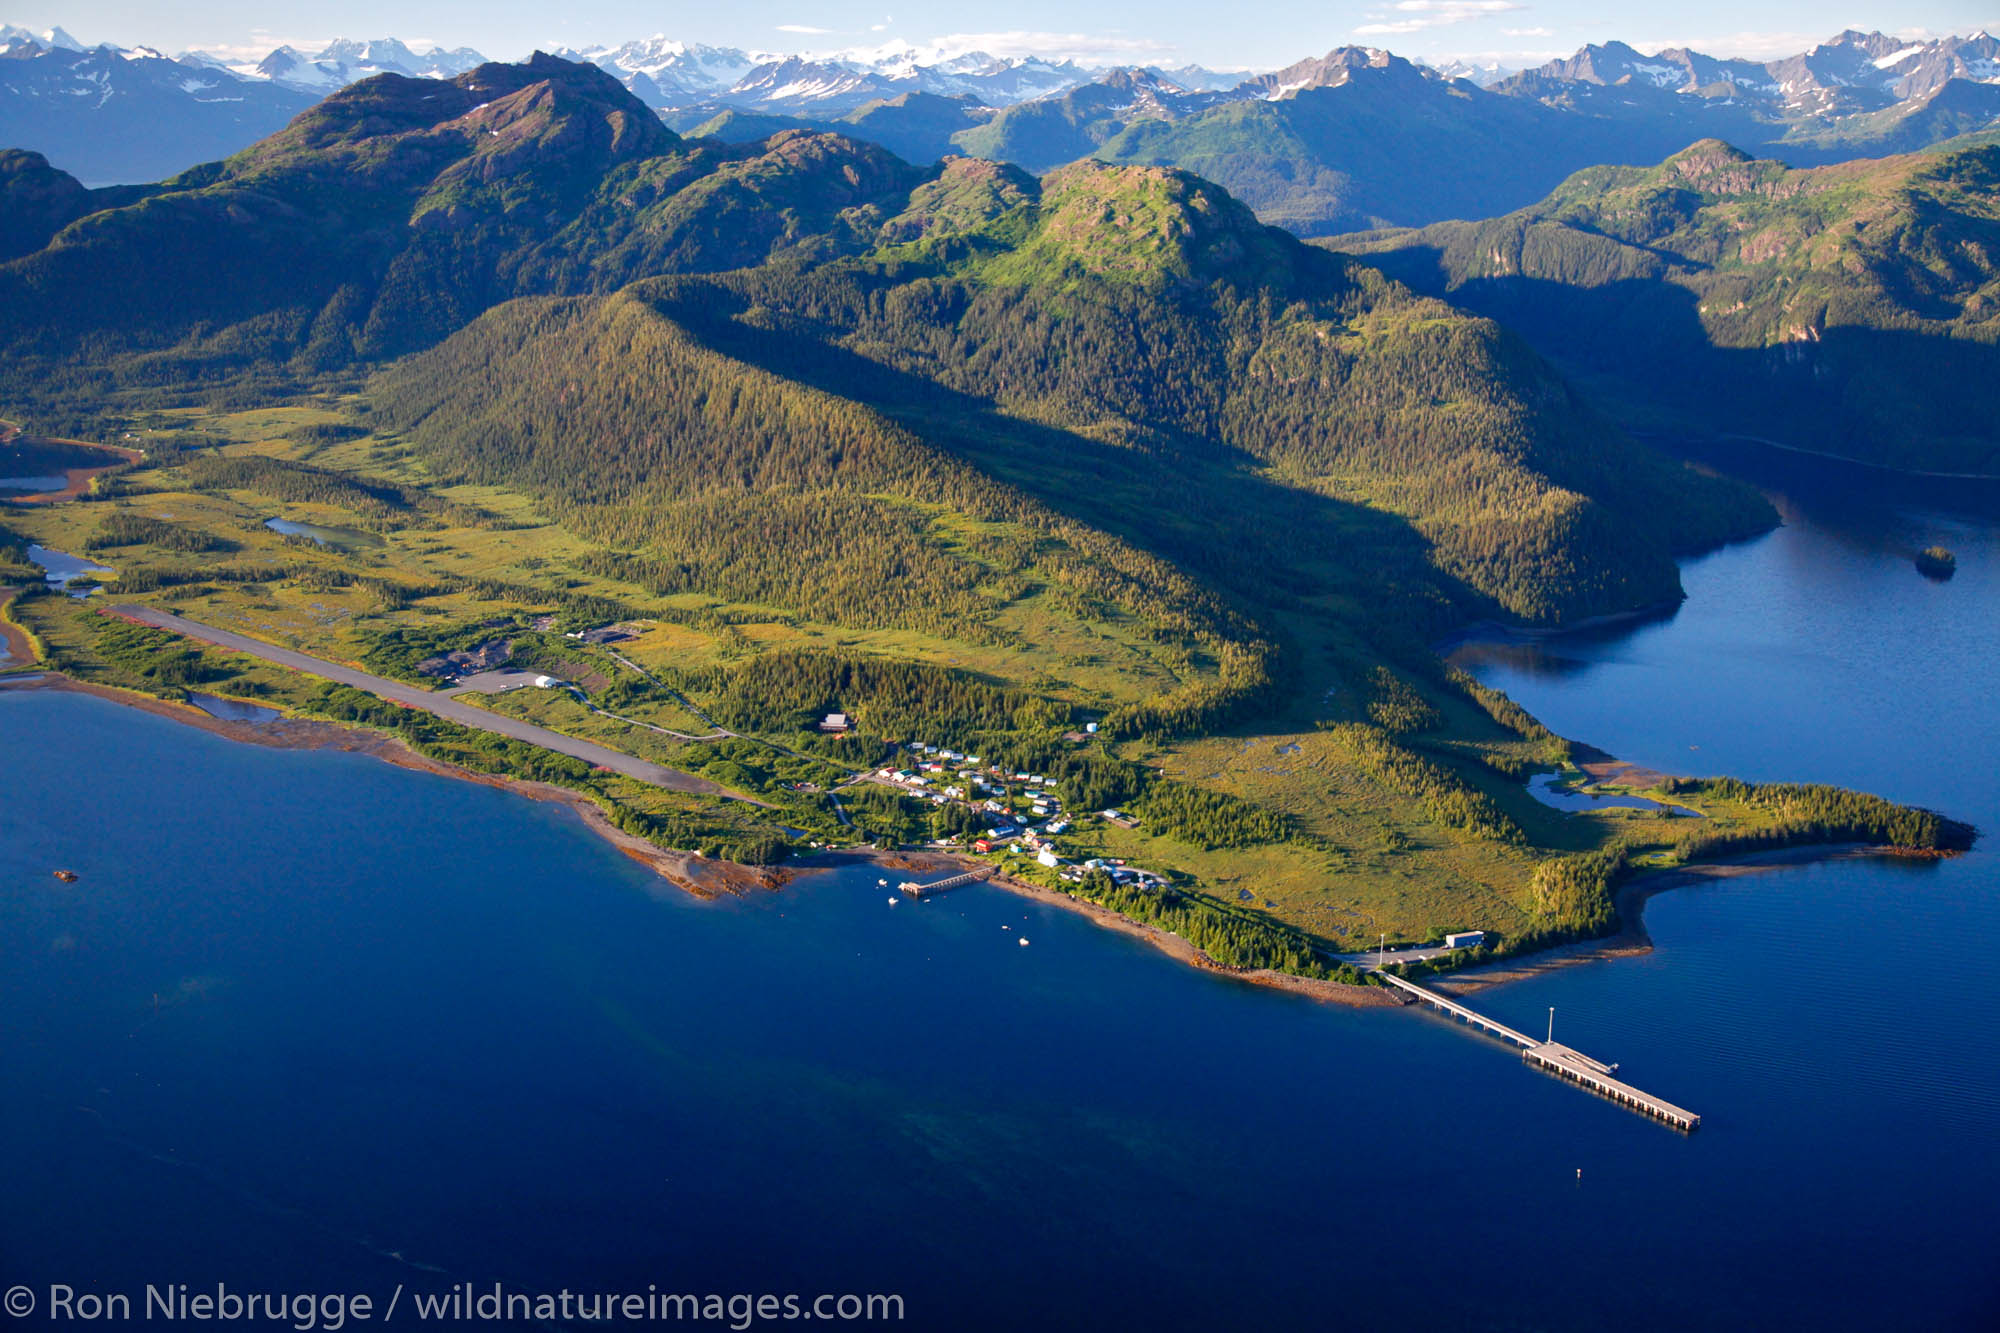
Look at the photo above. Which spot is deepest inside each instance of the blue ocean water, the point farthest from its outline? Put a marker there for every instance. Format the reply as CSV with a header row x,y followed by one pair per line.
x,y
310,1022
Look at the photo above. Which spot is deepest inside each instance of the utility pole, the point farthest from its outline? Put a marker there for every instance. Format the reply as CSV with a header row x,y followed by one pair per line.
x,y
1381,947
1552,1025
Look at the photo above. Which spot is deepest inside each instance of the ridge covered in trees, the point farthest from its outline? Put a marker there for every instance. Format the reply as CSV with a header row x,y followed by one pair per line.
x,y
1852,308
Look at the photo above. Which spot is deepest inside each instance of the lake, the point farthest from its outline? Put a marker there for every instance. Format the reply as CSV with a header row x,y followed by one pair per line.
x,y
369,1027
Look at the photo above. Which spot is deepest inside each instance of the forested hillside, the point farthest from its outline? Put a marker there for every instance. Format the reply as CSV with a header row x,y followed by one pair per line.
x,y
1137,321
1851,308
395,210
1099,446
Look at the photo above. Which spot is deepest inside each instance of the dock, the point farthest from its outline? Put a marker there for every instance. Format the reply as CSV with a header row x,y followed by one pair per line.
x,y
1560,1060
1554,1058
910,888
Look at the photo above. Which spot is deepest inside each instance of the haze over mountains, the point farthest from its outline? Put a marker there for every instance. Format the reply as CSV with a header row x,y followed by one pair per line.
x,y
113,115
1305,145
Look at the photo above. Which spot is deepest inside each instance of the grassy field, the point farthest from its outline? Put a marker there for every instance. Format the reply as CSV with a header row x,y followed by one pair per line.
x,y
1367,849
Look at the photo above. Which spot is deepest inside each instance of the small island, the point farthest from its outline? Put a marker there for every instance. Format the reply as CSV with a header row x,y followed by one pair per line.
x,y
1936,562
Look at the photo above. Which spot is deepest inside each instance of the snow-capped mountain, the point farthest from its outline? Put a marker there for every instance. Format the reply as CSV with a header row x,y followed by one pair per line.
x,y
13,39
1201,79
1853,72
1477,74
346,61
663,71
674,76
1331,70
108,114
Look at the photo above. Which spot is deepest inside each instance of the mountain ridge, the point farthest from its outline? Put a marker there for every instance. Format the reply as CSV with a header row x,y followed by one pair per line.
x,y
1856,304
1859,94
396,214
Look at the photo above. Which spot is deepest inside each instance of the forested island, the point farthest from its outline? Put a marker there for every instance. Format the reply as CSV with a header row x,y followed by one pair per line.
x,y
1937,561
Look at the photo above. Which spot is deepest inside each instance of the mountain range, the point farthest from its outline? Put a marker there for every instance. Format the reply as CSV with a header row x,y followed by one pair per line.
x,y
1320,146
885,327
112,114
1335,144
347,61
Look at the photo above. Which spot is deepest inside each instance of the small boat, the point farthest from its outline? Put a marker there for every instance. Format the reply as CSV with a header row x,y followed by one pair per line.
x,y
894,901
1024,941
66,876
882,883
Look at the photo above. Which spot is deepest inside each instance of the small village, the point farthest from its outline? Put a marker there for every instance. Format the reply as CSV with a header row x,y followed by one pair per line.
x,y
1023,812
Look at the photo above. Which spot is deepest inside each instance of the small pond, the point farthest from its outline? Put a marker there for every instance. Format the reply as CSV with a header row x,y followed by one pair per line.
x,y
1546,788
340,539
232,710
59,567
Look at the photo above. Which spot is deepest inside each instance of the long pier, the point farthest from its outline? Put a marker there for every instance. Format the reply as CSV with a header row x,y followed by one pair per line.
x,y
912,889
1555,1058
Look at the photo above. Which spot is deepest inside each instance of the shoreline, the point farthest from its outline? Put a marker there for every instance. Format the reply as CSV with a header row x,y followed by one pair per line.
x,y
78,478
1497,631
1668,439
702,876
1632,939
19,647
708,878
924,862
1862,462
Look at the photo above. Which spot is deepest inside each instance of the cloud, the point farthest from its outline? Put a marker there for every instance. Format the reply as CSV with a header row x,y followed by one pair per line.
x,y
803,29
1527,32
1424,14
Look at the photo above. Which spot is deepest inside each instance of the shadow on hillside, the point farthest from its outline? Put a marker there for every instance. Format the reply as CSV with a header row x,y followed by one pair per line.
x,y
1895,397
1194,502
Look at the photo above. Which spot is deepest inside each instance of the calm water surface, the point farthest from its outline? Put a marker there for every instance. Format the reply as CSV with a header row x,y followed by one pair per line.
x,y
345,539
59,567
307,1020
232,710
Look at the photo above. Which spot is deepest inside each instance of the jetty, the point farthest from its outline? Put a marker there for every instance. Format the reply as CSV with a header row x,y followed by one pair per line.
x,y
911,888
1553,1057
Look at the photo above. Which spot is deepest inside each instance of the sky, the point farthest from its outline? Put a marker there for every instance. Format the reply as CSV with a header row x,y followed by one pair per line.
x,y
1220,35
